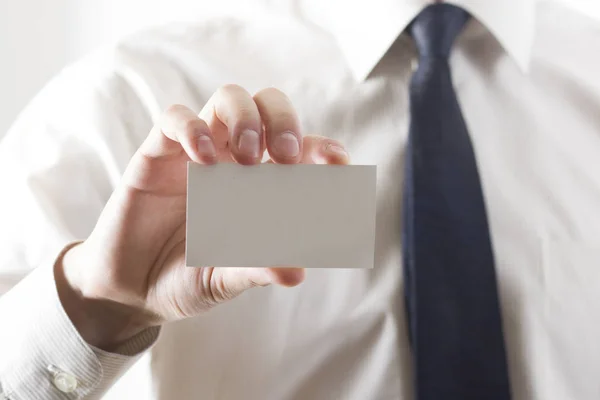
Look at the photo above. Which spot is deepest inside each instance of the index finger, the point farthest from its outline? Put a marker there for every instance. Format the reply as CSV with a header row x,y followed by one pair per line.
x,y
235,122
282,126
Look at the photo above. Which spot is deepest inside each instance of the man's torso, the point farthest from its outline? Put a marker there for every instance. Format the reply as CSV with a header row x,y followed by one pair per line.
x,y
342,333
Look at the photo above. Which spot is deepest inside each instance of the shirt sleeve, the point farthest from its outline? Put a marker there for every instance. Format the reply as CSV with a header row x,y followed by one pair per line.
x,y
43,355
59,164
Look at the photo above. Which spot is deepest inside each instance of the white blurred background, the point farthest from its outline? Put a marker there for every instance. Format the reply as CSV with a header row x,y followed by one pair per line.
x,y
39,37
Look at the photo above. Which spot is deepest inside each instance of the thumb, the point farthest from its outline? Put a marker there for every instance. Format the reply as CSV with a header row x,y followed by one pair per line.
x,y
227,283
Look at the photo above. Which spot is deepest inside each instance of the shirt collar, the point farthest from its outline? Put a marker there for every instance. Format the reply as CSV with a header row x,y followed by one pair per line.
x,y
366,29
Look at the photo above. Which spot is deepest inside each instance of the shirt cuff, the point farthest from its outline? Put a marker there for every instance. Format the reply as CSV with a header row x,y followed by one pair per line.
x,y
43,355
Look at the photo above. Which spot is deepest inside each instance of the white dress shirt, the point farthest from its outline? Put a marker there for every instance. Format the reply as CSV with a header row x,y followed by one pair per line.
x,y
526,74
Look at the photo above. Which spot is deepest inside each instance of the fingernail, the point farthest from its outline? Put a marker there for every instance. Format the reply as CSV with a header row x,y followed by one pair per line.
x,y
249,143
206,148
286,145
335,149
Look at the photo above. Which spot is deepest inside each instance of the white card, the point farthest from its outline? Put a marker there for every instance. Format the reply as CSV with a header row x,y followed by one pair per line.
x,y
312,216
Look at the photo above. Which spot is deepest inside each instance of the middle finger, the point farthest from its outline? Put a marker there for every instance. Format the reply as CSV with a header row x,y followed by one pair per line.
x,y
282,126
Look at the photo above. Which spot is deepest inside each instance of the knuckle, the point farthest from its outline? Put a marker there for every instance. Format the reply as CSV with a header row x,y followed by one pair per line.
x,y
218,292
236,106
252,283
175,109
327,142
270,92
193,127
230,88
286,120
245,115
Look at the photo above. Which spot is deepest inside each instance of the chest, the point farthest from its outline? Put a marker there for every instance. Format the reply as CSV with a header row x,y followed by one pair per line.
x,y
537,143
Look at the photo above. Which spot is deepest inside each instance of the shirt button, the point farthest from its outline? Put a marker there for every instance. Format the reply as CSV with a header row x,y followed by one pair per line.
x,y
64,382
414,64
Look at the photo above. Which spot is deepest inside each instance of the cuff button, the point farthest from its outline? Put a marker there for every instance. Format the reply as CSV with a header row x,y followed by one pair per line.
x,y
62,380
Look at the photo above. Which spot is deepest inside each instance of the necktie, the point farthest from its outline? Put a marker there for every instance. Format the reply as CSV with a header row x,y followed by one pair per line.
x,y
450,284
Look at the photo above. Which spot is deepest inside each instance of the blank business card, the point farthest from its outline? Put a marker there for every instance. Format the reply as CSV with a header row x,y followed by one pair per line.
x,y
313,216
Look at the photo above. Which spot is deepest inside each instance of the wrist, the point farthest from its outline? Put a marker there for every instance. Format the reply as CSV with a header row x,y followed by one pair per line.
x,y
101,321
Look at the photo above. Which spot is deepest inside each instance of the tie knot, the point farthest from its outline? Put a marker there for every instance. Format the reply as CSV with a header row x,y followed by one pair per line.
x,y
436,27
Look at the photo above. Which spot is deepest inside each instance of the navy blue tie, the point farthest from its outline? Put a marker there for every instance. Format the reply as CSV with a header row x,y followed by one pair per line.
x,y
452,302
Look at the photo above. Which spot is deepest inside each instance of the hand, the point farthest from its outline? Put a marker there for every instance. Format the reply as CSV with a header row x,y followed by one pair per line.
x,y
130,273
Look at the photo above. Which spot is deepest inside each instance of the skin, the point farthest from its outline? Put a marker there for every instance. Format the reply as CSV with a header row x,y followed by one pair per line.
x,y
130,273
